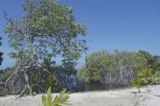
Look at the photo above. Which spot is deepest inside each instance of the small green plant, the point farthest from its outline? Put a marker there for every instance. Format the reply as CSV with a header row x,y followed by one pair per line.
x,y
136,82
60,99
145,76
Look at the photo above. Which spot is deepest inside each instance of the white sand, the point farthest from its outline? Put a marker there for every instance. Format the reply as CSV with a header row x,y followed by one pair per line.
x,y
125,97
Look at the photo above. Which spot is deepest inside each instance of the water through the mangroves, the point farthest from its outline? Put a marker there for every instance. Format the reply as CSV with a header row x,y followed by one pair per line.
x,y
100,87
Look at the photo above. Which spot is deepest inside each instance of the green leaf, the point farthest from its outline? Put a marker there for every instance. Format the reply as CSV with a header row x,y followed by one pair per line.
x,y
44,99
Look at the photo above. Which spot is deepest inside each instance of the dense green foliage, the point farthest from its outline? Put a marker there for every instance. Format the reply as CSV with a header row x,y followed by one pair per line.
x,y
1,52
60,99
144,76
116,68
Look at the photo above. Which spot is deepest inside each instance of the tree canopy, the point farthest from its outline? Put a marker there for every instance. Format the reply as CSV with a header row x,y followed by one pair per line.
x,y
47,29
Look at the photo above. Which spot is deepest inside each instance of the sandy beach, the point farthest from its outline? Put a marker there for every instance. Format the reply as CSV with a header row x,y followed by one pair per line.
x,y
121,97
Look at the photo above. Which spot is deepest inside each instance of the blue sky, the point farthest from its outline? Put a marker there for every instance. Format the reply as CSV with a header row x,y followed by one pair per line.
x,y
111,24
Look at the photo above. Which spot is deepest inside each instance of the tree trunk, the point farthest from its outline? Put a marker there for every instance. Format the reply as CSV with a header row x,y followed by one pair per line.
x,y
139,91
